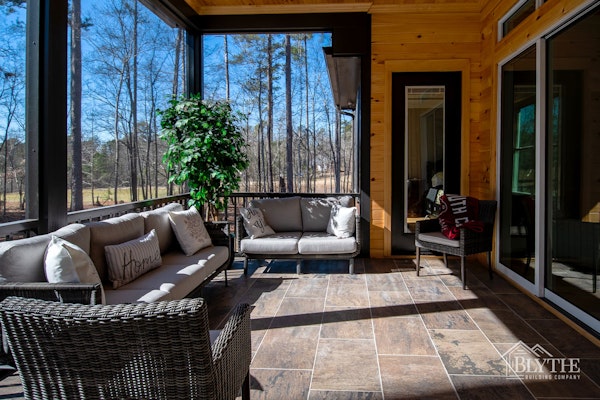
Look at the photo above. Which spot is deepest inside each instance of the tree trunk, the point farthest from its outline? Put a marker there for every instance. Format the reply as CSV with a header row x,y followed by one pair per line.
x,y
75,112
288,115
135,153
270,111
226,50
308,172
178,46
338,151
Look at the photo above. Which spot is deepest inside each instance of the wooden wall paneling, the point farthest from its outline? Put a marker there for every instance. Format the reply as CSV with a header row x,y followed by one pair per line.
x,y
384,205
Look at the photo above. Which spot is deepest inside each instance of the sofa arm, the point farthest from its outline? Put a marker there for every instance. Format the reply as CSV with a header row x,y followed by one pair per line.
x,y
357,233
232,352
82,293
218,233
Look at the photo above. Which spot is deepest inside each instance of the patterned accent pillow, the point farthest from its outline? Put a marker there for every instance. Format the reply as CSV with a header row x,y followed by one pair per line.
x,y
189,230
254,223
67,262
129,260
342,221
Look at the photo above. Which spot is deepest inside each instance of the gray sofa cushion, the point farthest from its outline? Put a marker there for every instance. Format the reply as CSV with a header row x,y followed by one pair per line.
x,y
283,215
323,243
176,278
158,220
78,234
23,260
315,213
112,231
279,243
439,238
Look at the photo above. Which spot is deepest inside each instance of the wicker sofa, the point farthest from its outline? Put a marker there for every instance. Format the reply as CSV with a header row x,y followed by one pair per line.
x,y
300,228
22,262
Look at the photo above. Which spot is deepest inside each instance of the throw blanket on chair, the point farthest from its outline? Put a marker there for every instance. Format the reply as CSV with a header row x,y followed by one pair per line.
x,y
459,211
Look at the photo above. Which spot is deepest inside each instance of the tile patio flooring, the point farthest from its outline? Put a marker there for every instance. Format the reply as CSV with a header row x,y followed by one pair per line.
x,y
385,333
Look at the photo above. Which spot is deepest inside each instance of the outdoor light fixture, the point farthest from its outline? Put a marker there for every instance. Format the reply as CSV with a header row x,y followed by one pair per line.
x,y
344,74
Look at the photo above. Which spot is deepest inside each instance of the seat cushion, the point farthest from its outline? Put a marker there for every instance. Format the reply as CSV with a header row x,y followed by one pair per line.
x,y
438,238
283,215
175,279
279,243
324,243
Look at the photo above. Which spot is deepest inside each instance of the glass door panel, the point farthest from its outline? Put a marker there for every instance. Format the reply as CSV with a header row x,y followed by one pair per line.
x,y
573,145
518,168
424,152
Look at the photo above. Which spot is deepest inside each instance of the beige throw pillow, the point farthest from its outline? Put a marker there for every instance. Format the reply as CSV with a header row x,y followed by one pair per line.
x,y
254,223
66,262
189,230
129,260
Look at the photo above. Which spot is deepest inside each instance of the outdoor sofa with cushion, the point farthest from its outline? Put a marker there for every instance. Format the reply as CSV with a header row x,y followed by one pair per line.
x,y
299,228
163,254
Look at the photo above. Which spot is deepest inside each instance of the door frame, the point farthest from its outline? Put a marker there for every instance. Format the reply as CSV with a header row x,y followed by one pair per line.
x,y
391,67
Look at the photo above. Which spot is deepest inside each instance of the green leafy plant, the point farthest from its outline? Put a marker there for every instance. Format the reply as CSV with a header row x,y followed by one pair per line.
x,y
206,149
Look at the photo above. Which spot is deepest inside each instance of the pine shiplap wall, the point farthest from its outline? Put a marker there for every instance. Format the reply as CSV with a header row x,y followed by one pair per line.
x,y
448,35
431,41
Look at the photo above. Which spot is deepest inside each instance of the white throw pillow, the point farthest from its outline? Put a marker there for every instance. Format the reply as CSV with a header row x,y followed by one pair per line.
x,y
254,223
189,230
342,221
67,262
129,260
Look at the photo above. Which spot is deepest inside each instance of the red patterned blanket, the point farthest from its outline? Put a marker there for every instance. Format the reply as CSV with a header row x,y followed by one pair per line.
x,y
459,211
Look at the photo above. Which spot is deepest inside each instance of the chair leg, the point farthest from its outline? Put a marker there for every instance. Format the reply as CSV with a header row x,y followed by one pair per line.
x,y
298,266
418,260
351,266
245,265
463,272
246,387
490,265
445,260
226,283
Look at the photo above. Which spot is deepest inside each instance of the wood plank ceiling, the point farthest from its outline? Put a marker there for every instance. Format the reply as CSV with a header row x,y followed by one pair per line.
x,y
245,7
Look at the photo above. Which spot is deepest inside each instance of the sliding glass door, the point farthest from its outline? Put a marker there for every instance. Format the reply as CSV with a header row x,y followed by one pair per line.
x,y
573,164
549,168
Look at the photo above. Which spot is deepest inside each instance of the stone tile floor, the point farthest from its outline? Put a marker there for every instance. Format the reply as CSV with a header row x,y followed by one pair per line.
x,y
384,333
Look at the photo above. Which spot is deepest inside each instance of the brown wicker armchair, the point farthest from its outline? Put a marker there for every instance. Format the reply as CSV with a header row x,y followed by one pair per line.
x,y
158,350
428,235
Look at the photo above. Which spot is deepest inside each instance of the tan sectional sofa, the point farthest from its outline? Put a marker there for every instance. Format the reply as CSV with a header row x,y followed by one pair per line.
x,y
178,276
299,228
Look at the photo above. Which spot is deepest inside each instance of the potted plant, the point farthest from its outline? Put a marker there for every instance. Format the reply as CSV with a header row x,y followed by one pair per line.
x,y
206,150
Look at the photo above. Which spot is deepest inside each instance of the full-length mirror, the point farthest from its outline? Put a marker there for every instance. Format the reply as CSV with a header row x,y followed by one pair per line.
x,y
424,152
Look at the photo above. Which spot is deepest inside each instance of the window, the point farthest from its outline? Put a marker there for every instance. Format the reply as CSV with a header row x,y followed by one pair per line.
x,y
12,111
126,65
516,15
518,163
315,152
